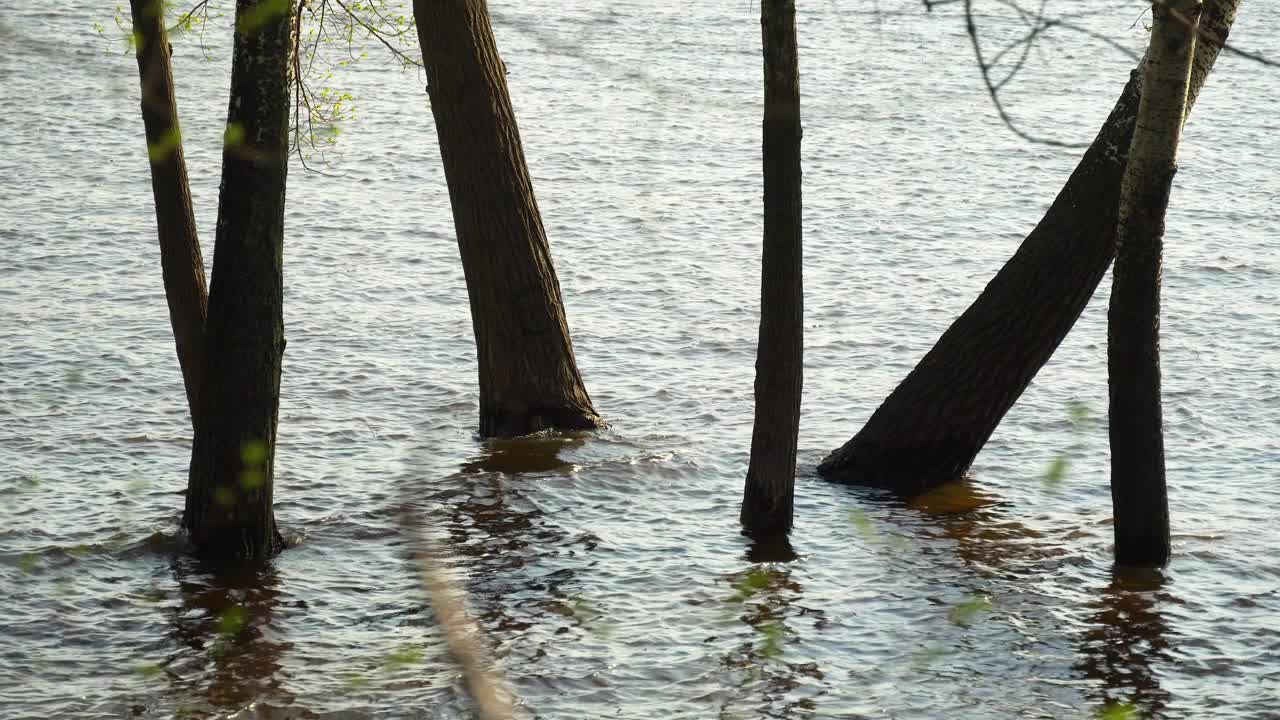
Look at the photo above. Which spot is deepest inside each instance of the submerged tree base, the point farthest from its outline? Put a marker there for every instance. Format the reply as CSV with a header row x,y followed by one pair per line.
x,y
907,471
233,547
513,423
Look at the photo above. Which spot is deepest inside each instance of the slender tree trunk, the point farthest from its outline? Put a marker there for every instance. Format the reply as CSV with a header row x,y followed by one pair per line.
x,y
931,427
181,264
229,497
529,379
770,486
1138,493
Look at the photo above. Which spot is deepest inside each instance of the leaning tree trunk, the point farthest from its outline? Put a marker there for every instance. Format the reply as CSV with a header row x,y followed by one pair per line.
x,y
931,427
1138,493
229,497
770,486
180,261
529,379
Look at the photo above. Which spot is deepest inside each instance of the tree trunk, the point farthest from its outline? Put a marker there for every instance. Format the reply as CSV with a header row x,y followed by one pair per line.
x,y
931,427
229,497
180,261
770,486
529,379
1138,492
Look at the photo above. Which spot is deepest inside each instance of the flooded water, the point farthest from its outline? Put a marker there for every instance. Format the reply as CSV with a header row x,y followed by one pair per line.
x,y
608,570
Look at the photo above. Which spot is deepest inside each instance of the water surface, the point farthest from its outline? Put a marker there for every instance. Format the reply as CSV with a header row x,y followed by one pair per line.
x,y
608,570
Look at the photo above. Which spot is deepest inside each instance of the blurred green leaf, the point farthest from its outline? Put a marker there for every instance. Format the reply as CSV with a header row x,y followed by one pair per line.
x,y
259,15
1119,711
148,670
923,658
252,479
1079,413
160,151
774,632
224,496
254,454
233,136
1056,471
232,620
965,612
28,563
863,524
403,656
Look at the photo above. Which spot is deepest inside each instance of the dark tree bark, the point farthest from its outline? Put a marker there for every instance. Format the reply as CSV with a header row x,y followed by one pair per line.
x,y
529,379
229,497
1139,496
180,261
931,427
770,486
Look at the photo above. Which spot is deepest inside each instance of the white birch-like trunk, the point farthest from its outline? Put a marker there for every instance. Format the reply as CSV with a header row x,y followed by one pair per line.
x,y
1139,498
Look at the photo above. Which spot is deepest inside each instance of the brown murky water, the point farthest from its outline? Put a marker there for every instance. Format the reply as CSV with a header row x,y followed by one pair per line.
x,y
607,570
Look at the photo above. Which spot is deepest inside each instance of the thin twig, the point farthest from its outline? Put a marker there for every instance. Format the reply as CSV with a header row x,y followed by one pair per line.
x,y
994,92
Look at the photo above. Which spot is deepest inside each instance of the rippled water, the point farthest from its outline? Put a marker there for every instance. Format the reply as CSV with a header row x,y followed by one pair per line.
x,y
604,568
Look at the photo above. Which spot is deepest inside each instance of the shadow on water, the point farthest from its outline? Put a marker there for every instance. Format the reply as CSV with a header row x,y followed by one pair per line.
x,y
1127,637
224,626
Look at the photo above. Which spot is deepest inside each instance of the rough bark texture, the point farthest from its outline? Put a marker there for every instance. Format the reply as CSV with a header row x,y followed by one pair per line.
x,y
770,485
180,261
229,497
529,379
931,427
1138,492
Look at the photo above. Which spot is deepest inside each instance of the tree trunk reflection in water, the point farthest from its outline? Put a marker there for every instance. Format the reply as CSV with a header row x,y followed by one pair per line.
x,y
1127,640
226,625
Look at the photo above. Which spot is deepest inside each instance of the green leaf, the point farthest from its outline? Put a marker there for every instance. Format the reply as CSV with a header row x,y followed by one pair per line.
x,y
863,524
1119,711
233,136
1079,413
224,496
160,151
965,612
232,620
252,479
1056,471
403,656
261,14
254,454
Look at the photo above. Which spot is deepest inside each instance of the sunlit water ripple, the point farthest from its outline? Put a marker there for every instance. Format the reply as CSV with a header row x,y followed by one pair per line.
x,y
603,567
